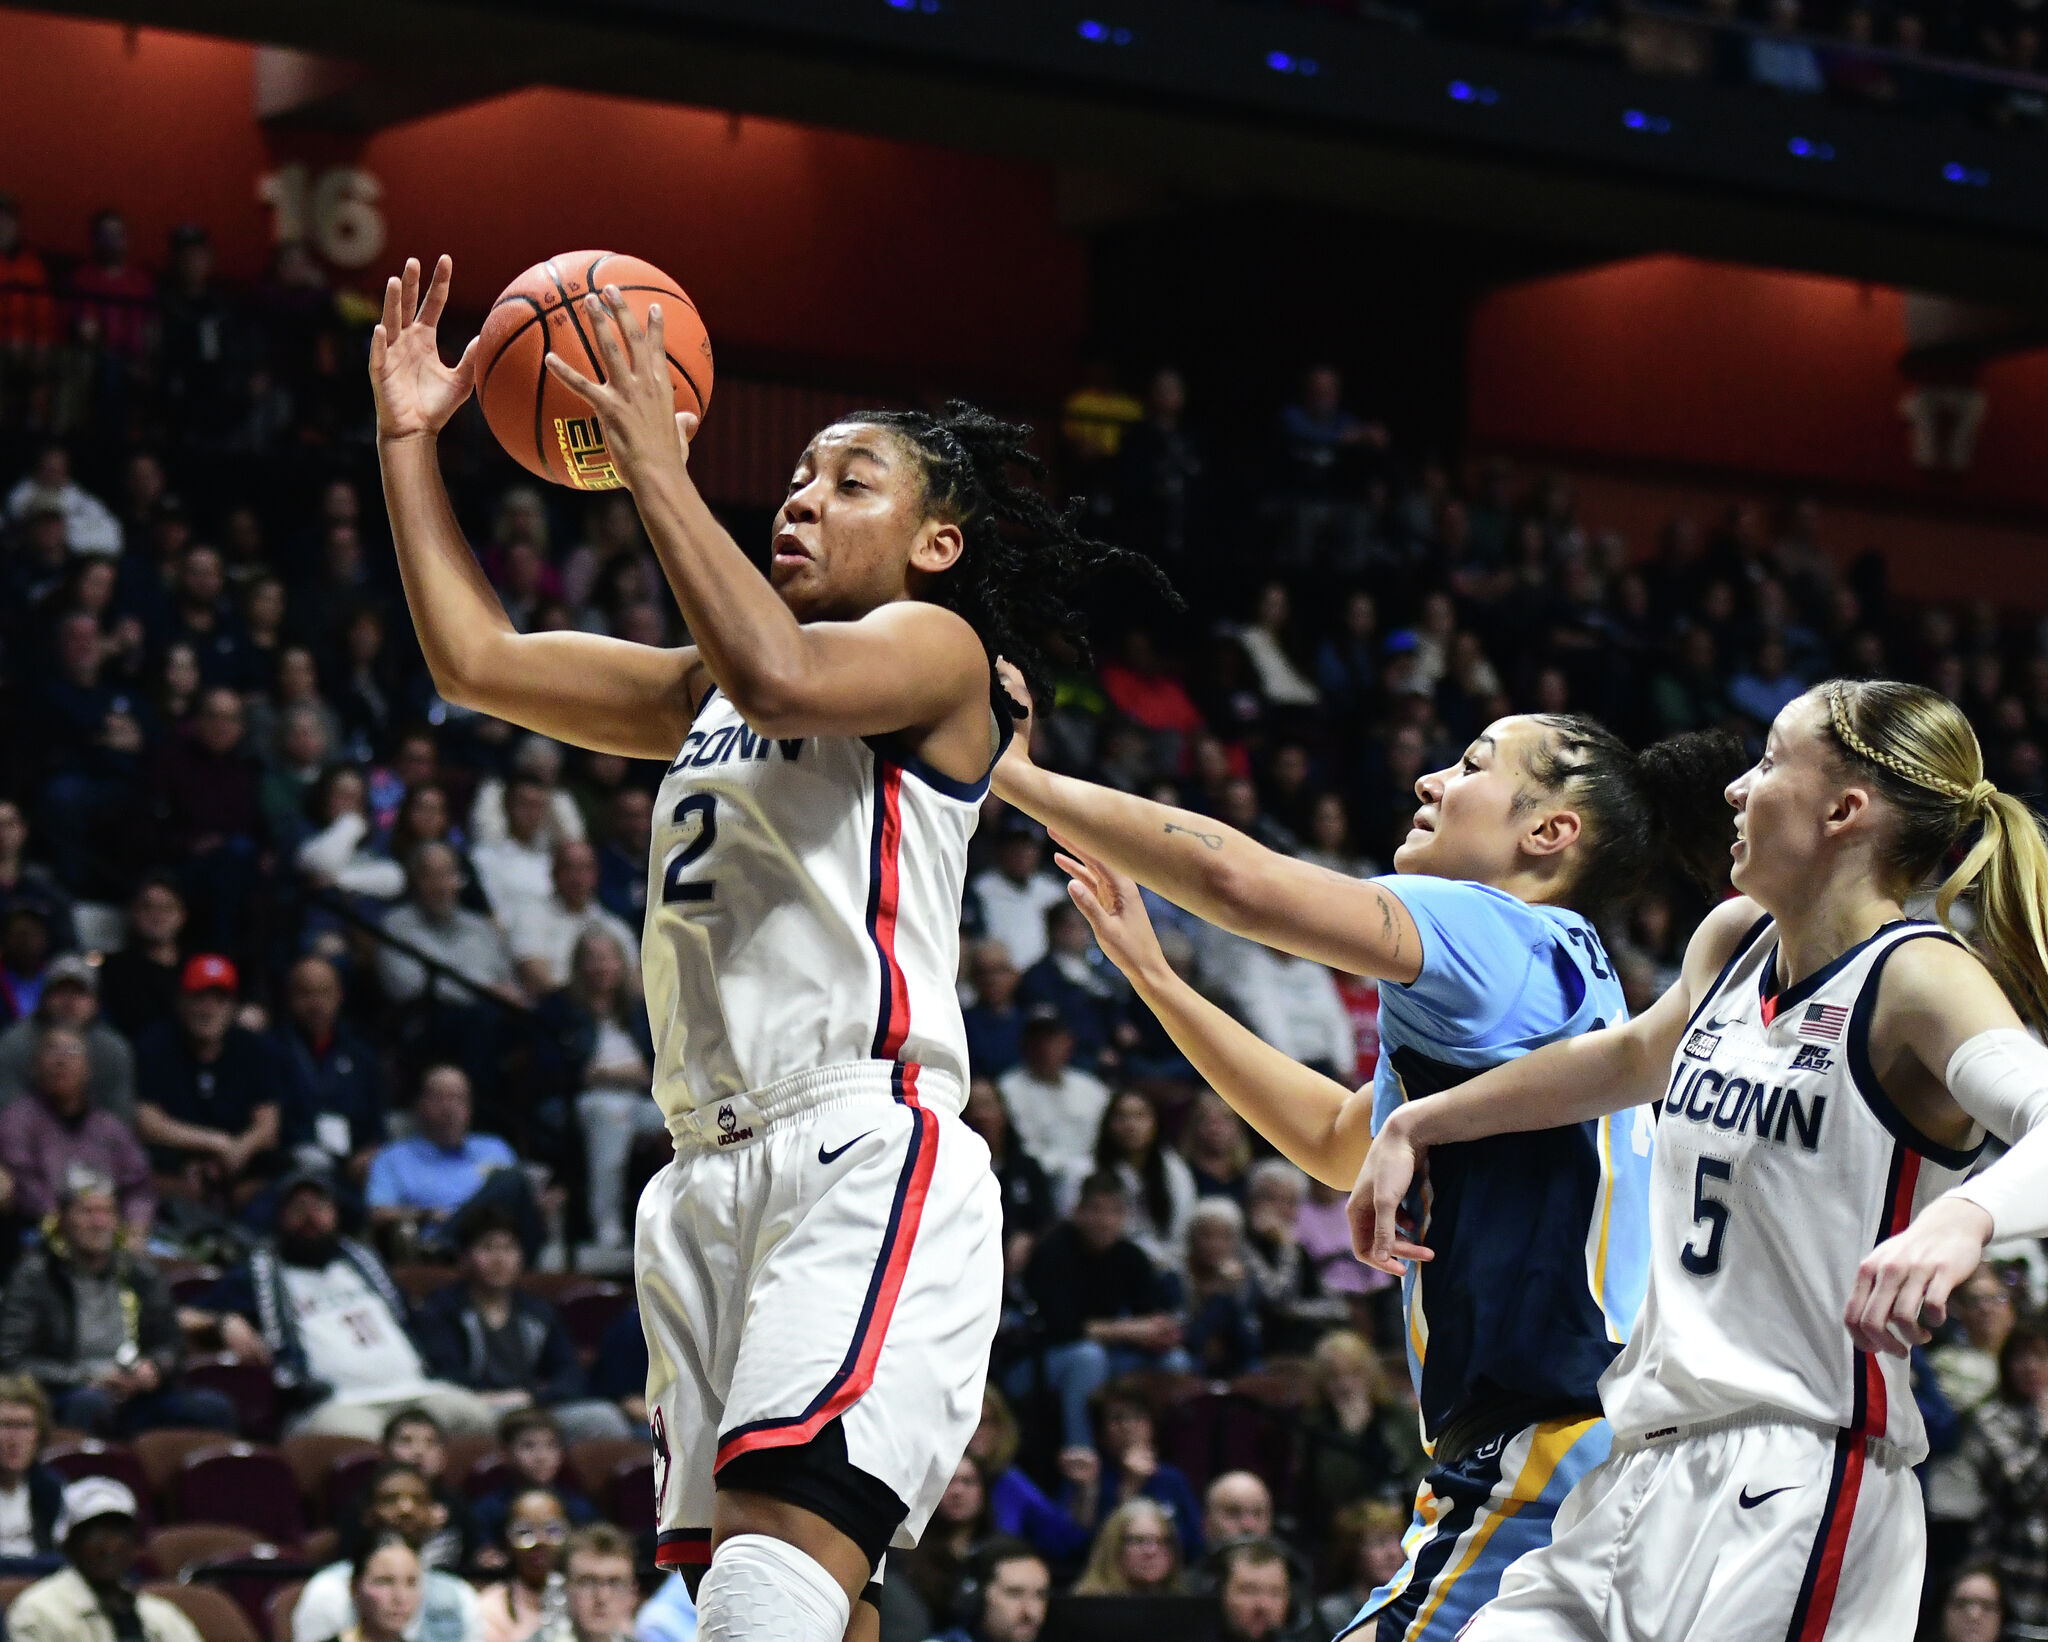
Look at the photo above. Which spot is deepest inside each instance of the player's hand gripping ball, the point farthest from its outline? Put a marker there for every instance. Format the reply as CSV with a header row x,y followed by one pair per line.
x,y
550,429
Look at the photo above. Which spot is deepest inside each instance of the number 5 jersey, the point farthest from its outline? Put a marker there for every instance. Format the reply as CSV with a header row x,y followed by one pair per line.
x,y
1779,1165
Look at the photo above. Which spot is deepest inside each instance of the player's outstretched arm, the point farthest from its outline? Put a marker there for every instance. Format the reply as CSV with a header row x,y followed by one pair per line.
x,y
1569,1081
593,691
907,666
1215,871
1317,1124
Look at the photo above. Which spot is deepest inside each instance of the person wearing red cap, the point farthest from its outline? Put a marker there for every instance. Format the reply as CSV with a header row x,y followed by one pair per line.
x,y
206,1094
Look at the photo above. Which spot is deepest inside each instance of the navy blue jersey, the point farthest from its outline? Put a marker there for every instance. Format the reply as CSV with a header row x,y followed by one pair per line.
x,y
1541,1240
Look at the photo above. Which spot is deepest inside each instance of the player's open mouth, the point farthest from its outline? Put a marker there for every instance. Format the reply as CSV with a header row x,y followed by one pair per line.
x,y
788,550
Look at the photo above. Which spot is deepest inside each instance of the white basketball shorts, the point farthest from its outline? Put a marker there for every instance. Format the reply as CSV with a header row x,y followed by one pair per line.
x,y
1743,1530
827,1248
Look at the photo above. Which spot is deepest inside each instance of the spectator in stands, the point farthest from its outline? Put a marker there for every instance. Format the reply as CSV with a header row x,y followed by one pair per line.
x,y
1217,1148
331,1077
2006,1442
928,1585
508,1346
1293,1309
1017,891
323,1312
464,1022
603,1054
538,760
55,1129
70,999
1350,1428
536,1528
533,1445
1059,1529
208,1096
619,1374
1137,1553
1073,978
622,855
1366,1553
24,880
385,1589
29,327
1254,1591
89,526
97,1328
1292,1003
31,1493
517,868
91,1600
421,1182
1131,1467
1160,1189
1006,1596
995,1020
414,1437
398,1501
1028,1206
1236,1505
335,853
1325,1236
207,812
139,983
1055,1106
543,934
1974,1609
597,1564
1103,1307
1782,61
24,959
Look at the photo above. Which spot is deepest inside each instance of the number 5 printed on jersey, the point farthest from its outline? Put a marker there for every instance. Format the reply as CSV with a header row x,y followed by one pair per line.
x,y
704,806
1703,1262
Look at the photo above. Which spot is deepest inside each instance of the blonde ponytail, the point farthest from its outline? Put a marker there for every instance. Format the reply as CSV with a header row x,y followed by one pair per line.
x,y
1925,760
2009,866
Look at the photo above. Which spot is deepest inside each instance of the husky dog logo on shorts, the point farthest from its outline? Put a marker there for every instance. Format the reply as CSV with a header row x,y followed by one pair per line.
x,y
729,1131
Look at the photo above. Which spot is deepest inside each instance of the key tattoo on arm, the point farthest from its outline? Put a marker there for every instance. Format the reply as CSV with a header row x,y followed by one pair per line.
x,y
1208,840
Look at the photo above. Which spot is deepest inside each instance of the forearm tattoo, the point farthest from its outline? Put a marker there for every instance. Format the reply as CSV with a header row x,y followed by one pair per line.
x,y
1208,840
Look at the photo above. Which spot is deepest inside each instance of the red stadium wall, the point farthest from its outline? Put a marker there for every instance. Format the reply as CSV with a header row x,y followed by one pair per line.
x,y
794,242
1744,379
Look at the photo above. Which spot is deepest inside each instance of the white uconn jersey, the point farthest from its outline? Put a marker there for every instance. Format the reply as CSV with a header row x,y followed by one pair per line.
x,y
1780,1164
803,911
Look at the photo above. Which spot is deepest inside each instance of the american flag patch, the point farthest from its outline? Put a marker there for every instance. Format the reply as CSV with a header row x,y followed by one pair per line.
x,y
1824,1021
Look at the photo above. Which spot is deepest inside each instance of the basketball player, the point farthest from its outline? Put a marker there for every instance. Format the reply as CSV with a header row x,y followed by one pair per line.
x,y
1825,1070
1485,949
820,1267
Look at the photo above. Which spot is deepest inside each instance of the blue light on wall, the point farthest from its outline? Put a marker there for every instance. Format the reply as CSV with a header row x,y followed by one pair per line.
x,y
1104,34
1805,148
930,8
1464,91
1285,62
1657,125
1965,176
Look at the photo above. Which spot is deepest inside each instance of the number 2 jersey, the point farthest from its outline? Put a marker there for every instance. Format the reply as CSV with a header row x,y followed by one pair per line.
x,y
803,911
1780,1164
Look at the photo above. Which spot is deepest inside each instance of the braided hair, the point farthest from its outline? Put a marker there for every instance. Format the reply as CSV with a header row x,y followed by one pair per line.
x,y
1024,555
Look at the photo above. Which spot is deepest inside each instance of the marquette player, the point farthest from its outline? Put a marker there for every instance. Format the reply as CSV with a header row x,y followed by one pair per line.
x,y
1826,1069
1485,950
820,1266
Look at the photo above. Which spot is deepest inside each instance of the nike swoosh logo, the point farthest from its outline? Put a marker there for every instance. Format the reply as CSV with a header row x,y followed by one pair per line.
x,y
1715,1026
838,1152
1749,1501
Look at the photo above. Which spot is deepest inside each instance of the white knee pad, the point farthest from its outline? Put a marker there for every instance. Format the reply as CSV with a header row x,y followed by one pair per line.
x,y
759,1588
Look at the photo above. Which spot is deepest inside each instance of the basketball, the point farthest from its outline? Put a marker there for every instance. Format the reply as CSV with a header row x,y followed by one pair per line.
x,y
549,430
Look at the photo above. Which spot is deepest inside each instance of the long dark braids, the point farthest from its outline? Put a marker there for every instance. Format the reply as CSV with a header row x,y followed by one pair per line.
x,y
1025,555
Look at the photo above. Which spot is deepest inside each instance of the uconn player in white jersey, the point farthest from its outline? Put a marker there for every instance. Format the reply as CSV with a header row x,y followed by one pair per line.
x,y
819,1268
1826,1071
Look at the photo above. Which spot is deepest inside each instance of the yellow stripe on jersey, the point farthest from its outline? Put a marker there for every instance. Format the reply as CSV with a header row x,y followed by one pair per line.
x,y
1552,1440
1598,1274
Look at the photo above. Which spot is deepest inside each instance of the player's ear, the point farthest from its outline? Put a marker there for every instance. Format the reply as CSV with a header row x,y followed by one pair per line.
x,y
1851,804
1553,834
938,547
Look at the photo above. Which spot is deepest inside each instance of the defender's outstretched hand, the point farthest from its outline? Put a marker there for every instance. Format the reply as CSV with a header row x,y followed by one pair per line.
x,y
635,403
1111,904
1375,1208
415,392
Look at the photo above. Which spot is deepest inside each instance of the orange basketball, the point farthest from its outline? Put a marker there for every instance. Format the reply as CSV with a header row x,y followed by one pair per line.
x,y
549,430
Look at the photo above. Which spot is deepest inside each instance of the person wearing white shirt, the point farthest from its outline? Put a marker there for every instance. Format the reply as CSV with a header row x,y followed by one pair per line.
x,y
1015,892
541,760
89,524
543,934
399,1501
1294,1005
1055,1108
519,868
